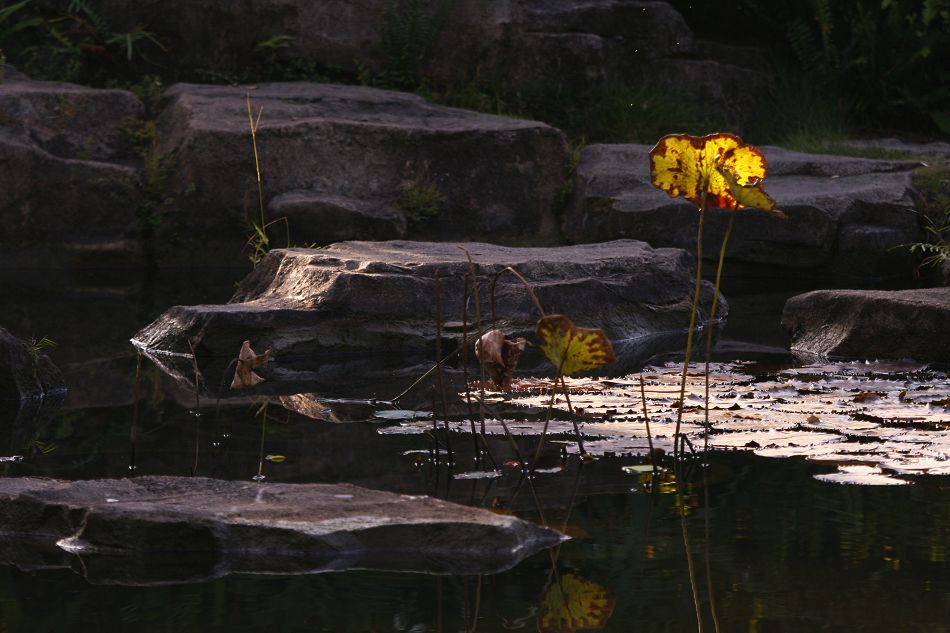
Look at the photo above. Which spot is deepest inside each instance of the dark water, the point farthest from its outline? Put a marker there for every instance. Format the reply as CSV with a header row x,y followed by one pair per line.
x,y
786,552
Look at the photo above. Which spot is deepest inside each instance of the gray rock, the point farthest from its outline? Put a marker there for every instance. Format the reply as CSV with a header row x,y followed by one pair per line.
x,y
361,309
841,210
871,323
25,374
332,153
152,530
31,391
69,186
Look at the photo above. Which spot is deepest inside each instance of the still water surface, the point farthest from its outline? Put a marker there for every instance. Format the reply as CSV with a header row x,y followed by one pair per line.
x,y
786,552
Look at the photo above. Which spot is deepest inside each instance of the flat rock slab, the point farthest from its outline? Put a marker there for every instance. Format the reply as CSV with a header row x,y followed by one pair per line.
x,y
349,162
70,189
332,315
847,211
174,529
871,323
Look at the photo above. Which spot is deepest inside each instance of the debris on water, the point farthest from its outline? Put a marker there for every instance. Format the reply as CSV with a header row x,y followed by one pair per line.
x,y
12,458
478,474
394,415
888,414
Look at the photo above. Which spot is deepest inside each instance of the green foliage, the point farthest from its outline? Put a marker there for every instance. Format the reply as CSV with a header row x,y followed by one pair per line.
x,y
35,346
75,43
933,184
419,197
410,31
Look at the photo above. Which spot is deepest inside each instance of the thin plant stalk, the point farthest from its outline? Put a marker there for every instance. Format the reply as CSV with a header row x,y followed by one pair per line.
x,y
257,157
524,282
689,557
439,377
570,410
194,363
646,418
692,323
544,429
709,337
134,432
712,316
260,461
428,373
478,331
468,393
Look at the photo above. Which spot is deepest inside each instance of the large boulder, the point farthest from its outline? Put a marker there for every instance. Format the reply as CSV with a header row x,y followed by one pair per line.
x,y
524,44
70,189
853,212
871,323
357,310
346,162
153,530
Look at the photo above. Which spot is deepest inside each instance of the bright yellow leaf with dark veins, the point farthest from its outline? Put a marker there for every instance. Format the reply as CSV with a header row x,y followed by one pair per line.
x,y
686,166
574,604
572,349
751,195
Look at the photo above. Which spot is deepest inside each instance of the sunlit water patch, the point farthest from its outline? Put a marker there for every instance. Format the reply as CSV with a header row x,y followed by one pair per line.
x,y
889,417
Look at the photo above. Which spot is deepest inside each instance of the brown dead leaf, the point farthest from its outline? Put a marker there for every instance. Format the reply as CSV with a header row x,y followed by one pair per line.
x,y
499,355
247,362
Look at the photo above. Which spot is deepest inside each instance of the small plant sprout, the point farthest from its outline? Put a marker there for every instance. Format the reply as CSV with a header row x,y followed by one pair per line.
x,y
717,170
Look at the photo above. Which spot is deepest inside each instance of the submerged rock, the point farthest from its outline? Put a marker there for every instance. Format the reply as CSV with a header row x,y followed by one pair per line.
x,y
871,323
349,162
355,308
69,192
842,211
152,530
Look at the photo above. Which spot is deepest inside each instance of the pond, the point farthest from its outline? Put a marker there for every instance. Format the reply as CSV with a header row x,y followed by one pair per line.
x,y
775,545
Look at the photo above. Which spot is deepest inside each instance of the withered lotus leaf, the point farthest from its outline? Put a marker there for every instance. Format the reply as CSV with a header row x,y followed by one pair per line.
x,y
247,362
574,604
499,355
572,349
751,195
687,166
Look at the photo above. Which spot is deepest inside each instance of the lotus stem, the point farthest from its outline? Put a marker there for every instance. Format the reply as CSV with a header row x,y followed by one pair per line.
x,y
692,322
712,316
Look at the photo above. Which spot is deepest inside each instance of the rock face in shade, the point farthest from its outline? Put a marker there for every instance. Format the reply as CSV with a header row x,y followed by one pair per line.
x,y
152,530
31,391
345,162
25,375
358,307
842,211
69,189
871,323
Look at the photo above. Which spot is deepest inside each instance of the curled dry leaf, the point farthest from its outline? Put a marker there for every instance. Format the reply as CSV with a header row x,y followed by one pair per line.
x,y
570,348
247,362
499,355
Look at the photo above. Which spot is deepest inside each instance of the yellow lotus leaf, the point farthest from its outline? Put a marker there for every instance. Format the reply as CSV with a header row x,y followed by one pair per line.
x,y
751,195
687,166
572,349
574,604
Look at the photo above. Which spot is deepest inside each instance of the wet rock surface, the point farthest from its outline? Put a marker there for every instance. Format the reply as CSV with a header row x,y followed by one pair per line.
x,y
62,147
152,530
844,211
369,306
871,323
344,162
